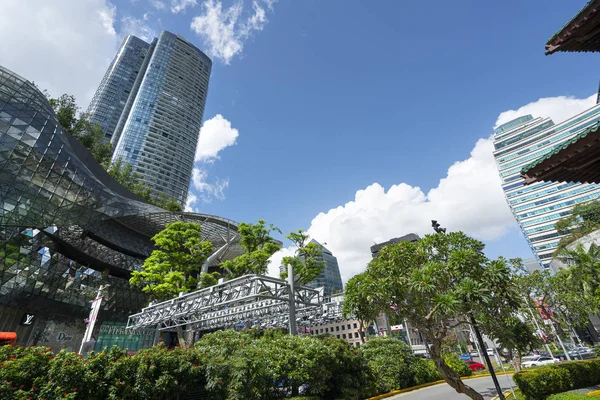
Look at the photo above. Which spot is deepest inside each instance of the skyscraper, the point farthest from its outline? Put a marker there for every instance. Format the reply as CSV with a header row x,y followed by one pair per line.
x,y
539,206
109,101
159,123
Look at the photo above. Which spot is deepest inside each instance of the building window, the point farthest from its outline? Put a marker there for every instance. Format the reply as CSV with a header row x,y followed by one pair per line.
x,y
344,335
326,330
355,334
355,325
338,336
343,327
337,328
349,326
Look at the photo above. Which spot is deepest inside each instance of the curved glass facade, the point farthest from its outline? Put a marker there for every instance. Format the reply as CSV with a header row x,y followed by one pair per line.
x,y
539,206
66,226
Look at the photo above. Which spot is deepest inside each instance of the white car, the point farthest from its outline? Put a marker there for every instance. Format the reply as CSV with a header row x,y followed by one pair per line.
x,y
540,360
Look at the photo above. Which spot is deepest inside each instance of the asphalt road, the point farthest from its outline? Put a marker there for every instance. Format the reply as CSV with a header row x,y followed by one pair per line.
x,y
484,385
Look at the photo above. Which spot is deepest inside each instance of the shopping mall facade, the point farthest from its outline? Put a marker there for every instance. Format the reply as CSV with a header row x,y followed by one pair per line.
x,y
67,228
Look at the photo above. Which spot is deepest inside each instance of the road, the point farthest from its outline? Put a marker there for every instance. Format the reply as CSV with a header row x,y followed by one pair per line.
x,y
484,385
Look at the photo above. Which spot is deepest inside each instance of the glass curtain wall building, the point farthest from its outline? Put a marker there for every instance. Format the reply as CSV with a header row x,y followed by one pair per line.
x,y
330,278
109,101
539,206
158,127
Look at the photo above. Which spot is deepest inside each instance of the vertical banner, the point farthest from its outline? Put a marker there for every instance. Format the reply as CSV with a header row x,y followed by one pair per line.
x,y
92,319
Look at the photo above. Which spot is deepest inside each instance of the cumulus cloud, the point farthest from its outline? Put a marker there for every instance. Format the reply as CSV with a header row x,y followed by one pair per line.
x,y
469,198
138,27
63,52
178,6
190,202
215,135
558,108
224,30
206,191
158,4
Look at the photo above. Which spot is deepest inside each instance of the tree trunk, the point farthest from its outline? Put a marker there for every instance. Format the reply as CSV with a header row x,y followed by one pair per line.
x,y
362,331
181,337
451,377
516,361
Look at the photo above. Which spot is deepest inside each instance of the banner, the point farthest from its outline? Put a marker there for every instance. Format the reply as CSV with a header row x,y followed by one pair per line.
x,y
92,319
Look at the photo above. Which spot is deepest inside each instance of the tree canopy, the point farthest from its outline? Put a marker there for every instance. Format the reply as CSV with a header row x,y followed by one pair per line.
x,y
258,245
175,264
584,218
307,261
435,284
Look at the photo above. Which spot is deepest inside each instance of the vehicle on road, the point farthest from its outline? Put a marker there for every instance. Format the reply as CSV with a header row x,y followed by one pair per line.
x,y
474,353
540,360
490,352
465,356
475,366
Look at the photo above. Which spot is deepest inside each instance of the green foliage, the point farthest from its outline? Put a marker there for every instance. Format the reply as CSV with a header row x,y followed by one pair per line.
x,y
584,218
457,365
424,371
174,265
258,246
390,361
539,383
435,284
569,396
89,135
307,262
362,299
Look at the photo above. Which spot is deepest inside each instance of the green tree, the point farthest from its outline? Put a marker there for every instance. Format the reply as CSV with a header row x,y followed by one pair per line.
x,y
516,336
258,245
362,301
584,268
89,135
436,283
174,266
308,262
584,218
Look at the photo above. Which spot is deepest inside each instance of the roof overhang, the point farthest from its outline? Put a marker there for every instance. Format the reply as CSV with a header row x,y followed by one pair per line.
x,y
580,34
577,160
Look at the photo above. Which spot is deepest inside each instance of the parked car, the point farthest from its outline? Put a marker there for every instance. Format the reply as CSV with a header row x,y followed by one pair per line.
x,y
490,352
475,366
474,353
465,356
540,360
581,353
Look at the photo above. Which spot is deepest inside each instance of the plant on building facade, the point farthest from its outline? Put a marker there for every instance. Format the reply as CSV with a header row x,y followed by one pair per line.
x,y
584,219
174,265
258,245
584,269
307,262
436,283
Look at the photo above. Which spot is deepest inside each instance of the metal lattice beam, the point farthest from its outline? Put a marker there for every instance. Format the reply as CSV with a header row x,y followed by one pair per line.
x,y
249,300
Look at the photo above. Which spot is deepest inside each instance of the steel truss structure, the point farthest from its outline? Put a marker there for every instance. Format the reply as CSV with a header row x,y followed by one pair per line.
x,y
249,301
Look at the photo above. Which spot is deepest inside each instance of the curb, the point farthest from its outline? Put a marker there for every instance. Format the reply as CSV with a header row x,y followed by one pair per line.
x,y
506,393
424,385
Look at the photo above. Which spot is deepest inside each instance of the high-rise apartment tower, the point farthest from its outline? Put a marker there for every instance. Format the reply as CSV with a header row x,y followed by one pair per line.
x,y
539,206
159,92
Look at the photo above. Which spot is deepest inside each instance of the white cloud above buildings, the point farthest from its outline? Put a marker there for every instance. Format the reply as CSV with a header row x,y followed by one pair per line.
x,y
216,134
49,43
468,198
139,27
225,30
178,6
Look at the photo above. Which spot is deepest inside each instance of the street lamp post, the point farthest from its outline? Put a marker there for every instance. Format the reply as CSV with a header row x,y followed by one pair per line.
x,y
436,227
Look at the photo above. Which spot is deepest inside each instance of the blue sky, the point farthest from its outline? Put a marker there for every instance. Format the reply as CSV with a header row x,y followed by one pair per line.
x,y
331,97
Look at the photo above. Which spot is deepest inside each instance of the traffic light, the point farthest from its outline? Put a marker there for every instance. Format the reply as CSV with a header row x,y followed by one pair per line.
x,y
436,227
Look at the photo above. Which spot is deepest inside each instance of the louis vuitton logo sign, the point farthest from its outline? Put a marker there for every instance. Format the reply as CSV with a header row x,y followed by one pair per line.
x,y
27,319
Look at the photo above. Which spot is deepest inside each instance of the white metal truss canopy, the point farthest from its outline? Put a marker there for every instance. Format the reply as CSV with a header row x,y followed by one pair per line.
x,y
254,300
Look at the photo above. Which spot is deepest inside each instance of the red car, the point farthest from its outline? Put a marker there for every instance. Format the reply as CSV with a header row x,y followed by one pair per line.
x,y
475,366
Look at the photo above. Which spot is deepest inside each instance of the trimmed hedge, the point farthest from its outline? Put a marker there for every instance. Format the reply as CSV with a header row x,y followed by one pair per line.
x,y
570,396
539,383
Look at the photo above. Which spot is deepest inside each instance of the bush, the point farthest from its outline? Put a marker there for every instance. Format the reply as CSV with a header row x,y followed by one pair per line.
x,y
390,363
424,371
457,365
541,382
570,396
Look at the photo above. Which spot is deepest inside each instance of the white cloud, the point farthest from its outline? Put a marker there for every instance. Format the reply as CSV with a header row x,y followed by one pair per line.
x,y
558,108
138,27
158,4
178,6
190,201
223,31
469,198
206,191
63,52
215,135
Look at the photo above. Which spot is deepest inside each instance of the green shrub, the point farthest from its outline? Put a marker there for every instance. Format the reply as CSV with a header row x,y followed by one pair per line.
x,y
541,382
457,365
390,363
570,396
424,371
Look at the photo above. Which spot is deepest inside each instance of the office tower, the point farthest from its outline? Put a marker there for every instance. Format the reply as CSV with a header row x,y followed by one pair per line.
x,y
330,278
109,101
411,237
157,131
537,207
